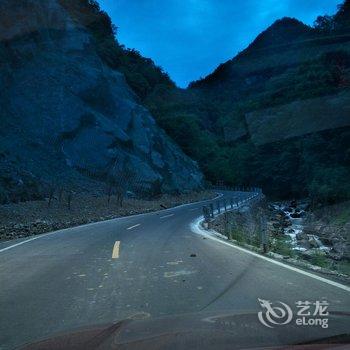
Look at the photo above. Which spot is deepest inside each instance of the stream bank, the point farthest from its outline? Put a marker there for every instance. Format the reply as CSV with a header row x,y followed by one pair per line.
x,y
321,244
292,233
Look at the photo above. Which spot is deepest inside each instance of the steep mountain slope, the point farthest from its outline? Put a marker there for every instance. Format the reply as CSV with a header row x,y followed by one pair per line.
x,y
68,118
276,115
280,109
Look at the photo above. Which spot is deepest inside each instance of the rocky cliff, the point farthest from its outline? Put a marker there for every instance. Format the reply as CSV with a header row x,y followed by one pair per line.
x,y
299,118
70,120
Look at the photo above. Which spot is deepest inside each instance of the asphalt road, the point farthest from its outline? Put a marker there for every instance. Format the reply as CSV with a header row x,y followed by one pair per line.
x,y
139,266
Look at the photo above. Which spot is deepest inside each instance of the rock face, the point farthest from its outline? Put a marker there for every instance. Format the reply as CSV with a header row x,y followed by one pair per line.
x,y
299,118
68,118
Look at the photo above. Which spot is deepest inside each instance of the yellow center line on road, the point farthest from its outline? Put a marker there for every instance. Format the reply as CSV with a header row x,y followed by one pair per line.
x,y
115,253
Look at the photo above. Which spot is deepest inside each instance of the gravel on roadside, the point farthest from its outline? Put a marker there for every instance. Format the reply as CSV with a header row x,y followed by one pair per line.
x,y
26,219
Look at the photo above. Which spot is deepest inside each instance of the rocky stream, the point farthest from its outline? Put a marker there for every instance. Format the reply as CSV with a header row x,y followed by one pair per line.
x,y
292,220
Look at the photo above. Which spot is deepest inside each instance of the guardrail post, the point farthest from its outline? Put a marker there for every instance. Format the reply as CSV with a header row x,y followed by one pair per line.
x,y
264,239
226,224
225,205
231,202
211,206
204,209
206,215
219,211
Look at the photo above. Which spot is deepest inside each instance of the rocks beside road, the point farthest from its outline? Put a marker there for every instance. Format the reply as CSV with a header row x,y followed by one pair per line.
x,y
281,217
288,242
287,219
336,237
290,236
310,237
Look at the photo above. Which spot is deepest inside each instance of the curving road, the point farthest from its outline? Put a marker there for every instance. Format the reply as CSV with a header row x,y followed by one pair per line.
x,y
147,265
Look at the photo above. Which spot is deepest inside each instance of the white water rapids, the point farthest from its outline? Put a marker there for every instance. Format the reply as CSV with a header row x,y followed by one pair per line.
x,y
296,228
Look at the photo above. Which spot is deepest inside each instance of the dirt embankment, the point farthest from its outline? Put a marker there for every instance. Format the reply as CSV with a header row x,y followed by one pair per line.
x,y
36,217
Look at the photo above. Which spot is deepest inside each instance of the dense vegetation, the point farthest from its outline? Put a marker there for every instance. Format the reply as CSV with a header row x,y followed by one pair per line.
x,y
141,73
263,76
289,61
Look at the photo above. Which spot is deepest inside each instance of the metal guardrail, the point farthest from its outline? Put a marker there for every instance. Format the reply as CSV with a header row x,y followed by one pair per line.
x,y
223,205
236,188
242,196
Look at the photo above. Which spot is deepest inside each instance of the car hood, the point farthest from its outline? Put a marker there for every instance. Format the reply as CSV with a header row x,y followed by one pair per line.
x,y
202,331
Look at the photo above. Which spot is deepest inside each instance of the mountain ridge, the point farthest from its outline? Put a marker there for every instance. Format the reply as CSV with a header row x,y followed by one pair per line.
x,y
289,64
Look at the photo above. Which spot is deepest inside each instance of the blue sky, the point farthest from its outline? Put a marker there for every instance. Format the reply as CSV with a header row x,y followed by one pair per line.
x,y
190,38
